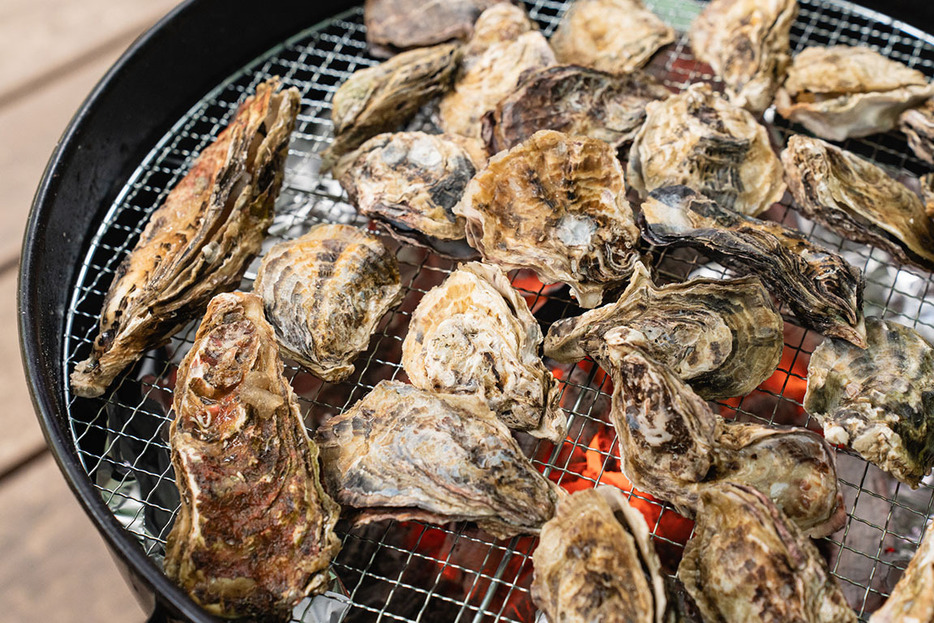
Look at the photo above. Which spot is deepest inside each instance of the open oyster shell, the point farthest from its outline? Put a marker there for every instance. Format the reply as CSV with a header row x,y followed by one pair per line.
x,y
723,337
912,599
474,335
878,401
255,530
405,453
617,36
199,242
746,42
918,125
325,292
396,25
822,289
841,91
595,562
701,140
746,562
574,100
858,200
555,204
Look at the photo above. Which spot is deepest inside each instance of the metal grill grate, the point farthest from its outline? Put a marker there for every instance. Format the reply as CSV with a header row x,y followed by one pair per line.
x,y
416,572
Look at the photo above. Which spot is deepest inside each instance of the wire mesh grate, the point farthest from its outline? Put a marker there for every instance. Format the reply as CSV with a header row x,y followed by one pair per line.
x,y
417,572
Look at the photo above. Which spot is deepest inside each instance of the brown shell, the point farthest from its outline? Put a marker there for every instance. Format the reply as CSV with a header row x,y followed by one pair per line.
x,y
918,125
617,36
555,204
255,531
912,598
199,242
701,140
396,25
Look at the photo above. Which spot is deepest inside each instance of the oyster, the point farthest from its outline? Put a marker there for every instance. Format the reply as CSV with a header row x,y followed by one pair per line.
x,y
255,531
746,42
574,100
198,242
493,65
723,337
325,292
474,335
840,92
747,562
381,98
405,453
595,562
912,599
699,139
555,204
618,36
396,25
409,182
878,401
858,200
918,125
822,289
927,193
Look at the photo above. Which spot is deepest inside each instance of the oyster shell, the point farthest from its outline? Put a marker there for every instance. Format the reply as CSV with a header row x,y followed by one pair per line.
x,y
918,125
746,42
198,242
574,100
555,204
396,25
747,562
595,561
405,453
878,401
618,36
822,289
325,292
474,335
858,200
912,598
255,531
841,91
723,337
699,139
379,99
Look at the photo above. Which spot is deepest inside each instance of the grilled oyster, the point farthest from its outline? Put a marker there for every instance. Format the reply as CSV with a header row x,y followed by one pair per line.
x,y
746,42
699,139
396,25
878,401
381,98
199,242
405,453
918,125
325,292
574,100
555,204
822,289
840,92
927,193
474,334
618,36
723,337
858,200
255,532
912,599
595,562
747,562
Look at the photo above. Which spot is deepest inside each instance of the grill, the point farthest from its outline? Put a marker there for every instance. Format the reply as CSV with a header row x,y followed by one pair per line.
x,y
417,572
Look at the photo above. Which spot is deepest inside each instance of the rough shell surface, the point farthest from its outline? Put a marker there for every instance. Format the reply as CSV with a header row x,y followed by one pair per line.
x,y
858,200
199,242
325,292
701,140
406,453
595,560
918,125
746,562
555,204
617,36
746,42
822,289
842,92
723,337
396,25
878,401
255,531
574,100
912,598
474,335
